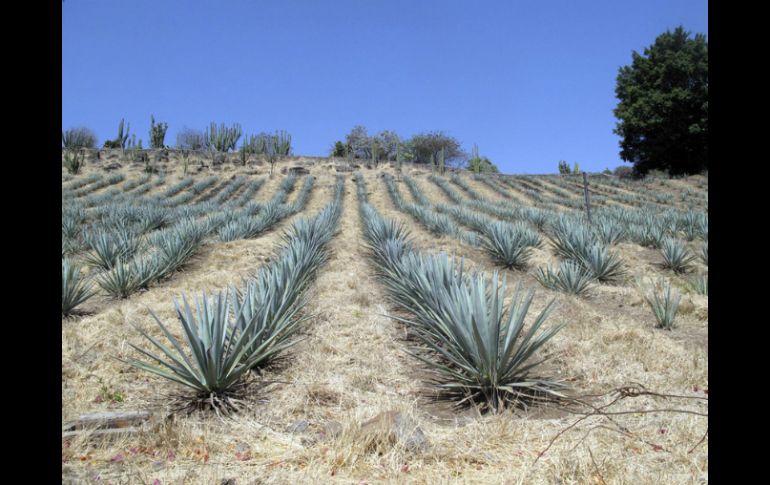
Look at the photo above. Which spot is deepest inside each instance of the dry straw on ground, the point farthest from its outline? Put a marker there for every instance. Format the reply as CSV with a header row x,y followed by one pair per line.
x,y
351,365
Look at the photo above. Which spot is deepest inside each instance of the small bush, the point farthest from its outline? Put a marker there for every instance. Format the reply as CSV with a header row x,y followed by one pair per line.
x,y
624,172
73,162
189,139
76,138
122,138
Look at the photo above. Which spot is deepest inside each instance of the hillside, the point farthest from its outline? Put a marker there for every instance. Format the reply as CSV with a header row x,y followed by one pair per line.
x,y
307,413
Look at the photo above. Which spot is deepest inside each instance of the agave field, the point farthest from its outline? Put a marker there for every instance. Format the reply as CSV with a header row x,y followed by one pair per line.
x,y
382,326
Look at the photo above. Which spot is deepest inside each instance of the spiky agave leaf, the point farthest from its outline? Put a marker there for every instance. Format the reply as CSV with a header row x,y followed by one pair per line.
x,y
664,305
473,342
70,227
601,264
572,240
704,253
676,257
108,248
435,223
119,282
178,244
273,301
216,357
609,232
507,244
151,218
126,278
570,278
699,284
74,289
481,348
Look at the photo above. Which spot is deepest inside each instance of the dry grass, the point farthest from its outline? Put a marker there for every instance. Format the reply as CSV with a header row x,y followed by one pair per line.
x,y
351,365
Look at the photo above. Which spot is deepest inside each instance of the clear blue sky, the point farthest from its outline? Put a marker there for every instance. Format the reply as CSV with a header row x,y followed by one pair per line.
x,y
531,82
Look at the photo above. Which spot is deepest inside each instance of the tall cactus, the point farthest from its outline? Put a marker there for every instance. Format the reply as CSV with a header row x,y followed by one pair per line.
x,y
375,153
283,143
474,164
441,167
120,141
221,138
123,138
157,133
399,161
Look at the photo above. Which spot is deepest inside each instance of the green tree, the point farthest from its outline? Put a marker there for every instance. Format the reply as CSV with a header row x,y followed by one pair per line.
x,y
429,144
663,108
340,149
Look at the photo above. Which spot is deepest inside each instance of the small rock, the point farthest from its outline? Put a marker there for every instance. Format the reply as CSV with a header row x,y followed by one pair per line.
x,y
140,156
219,159
112,166
332,429
686,306
228,481
91,156
344,168
702,313
298,427
160,156
242,447
299,171
399,428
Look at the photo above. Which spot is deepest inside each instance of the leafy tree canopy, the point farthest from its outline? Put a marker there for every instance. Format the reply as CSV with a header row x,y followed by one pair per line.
x,y
663,105
425,145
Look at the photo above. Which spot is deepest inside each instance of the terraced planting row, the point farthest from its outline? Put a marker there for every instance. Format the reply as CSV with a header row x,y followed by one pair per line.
x,y
323,385
130,241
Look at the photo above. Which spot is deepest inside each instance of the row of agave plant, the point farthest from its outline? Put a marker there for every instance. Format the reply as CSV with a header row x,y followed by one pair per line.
x,y
477,346
436,223
584,251
583,246
538,199
551,196
130,246
569,192
93,184
494,185
537,217
134,215
236,331
510,245
646,227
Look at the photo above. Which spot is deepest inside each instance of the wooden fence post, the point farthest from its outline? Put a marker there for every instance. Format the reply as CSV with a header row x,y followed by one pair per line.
x,y
585,191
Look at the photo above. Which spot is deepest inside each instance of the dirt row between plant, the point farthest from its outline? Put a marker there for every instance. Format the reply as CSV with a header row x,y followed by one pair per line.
x,y
352,366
